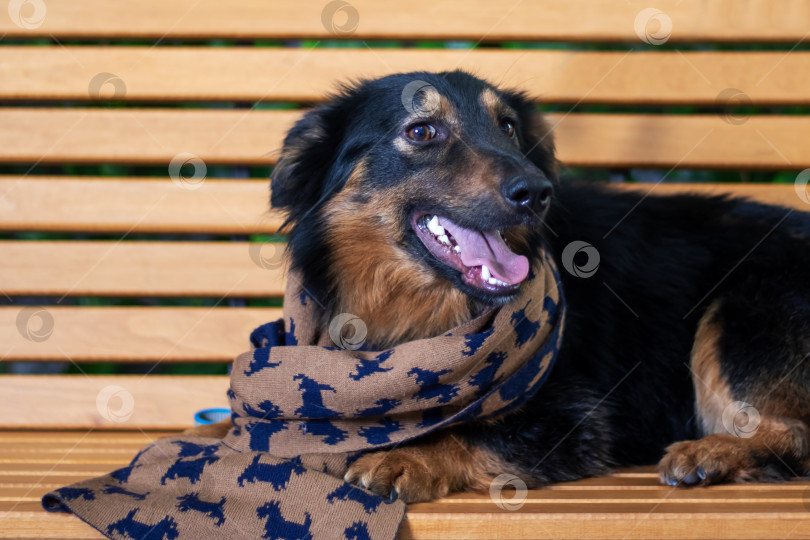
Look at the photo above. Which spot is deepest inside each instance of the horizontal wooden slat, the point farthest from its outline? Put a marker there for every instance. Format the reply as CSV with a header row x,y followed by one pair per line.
x,y
124,401
52,203
778,194
606,140
579,20
593,521
249,74
128,334
29,521
33,463
136,204
217,269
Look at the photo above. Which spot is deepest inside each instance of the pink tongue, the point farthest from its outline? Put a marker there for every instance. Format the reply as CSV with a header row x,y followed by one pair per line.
x,y
488,248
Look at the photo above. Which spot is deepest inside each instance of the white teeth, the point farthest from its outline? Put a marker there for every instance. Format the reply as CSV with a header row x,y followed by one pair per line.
x,y
457,249
487,277
434,227
444,240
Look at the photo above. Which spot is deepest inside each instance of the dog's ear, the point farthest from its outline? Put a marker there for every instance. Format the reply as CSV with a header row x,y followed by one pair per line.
x,y
536,137
297,181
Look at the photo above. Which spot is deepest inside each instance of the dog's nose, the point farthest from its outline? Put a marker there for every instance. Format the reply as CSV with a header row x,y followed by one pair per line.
x,y
528,192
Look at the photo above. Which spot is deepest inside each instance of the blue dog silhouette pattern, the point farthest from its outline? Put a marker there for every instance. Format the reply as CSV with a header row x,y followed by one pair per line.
x,y
277,474
368,367
279,528
165,529
187,468
311,395
71,494
192,502
348,492
357,531
118,490
430,387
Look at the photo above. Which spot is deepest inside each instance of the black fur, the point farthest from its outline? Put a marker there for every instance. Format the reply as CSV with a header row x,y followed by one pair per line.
x,y
621,390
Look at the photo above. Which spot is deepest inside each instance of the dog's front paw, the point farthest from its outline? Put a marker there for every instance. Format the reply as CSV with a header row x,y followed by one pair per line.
x,y
713,459
403,473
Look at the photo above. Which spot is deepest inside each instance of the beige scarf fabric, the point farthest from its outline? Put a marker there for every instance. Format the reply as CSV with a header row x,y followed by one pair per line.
x,y
304,409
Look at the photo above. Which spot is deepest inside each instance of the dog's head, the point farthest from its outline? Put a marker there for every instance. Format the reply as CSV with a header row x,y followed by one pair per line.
x,y
415,199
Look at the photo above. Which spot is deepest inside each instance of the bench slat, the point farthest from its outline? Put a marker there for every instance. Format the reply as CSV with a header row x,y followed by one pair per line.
x,y
132,334
593,140
147,402
29,521
295,74
574,20
778,194
635,510
53,203
216,269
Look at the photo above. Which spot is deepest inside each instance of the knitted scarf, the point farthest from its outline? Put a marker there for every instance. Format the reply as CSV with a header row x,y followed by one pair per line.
x,y
304,408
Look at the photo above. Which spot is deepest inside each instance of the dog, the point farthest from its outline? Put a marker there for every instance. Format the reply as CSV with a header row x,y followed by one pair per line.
x,y
688,347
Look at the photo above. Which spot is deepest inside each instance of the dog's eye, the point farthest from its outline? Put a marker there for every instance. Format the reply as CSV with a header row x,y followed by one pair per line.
x,y
421,132
508,127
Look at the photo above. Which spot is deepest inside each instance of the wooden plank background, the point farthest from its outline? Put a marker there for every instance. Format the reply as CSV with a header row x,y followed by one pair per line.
x,y
545,20
46,135
121,402
308,75
222,206
142,268
129,334
626,504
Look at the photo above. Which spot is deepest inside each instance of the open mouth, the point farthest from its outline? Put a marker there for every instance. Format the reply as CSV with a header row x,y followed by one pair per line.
x,y
482,258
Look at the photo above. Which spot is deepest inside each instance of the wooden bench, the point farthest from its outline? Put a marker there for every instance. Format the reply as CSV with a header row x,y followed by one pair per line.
x,y
107,259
